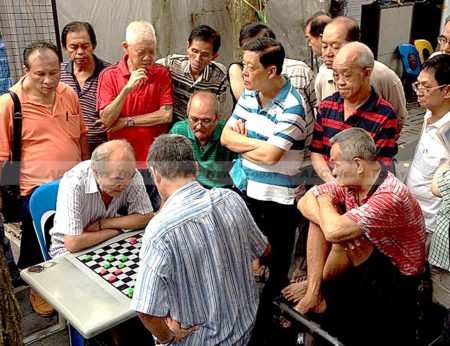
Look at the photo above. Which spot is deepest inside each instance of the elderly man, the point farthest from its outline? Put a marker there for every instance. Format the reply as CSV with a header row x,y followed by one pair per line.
x,y
53,138
203,128
195,284
356,104
339,32
135,97
81,73
91,195
444,39
197,70
314,27
267,128
375,230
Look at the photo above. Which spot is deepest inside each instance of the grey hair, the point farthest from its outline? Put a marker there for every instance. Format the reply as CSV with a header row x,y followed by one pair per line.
x,y
172,156
205,92
103,152
140,31
355,143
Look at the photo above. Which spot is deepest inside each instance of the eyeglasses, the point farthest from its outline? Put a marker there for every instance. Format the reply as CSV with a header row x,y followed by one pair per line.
x,y
418,86
204,122
442,39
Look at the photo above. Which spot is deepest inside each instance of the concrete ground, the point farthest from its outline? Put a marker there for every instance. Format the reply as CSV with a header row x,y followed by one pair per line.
x,y
32,322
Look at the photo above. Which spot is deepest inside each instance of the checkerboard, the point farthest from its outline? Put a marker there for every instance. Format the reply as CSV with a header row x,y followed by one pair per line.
x,y
97,258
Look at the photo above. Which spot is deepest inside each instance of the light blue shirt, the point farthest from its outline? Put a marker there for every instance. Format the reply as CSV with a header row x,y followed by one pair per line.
x,y
196,265
280,123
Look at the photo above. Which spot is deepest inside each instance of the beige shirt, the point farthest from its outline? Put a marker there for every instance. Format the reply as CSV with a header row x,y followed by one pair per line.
x,y
385,81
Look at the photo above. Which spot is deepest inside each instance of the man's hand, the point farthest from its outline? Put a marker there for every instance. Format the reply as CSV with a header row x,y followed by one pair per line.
x,y
135,78
93,227
118,125
239,127
179,332
325,198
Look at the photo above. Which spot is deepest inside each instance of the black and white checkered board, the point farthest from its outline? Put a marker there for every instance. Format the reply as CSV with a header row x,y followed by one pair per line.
x,y
127,279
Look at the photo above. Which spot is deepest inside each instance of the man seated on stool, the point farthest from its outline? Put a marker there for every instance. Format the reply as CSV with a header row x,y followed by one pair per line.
x,y
92,193
365,250
203,128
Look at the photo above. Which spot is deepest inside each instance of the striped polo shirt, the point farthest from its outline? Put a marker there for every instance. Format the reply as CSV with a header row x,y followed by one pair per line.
x,y
280,123
376,116
213,78
195,265
390,218
88,99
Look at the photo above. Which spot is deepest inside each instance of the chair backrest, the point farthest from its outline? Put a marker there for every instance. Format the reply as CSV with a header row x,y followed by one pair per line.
x,y
410,60
43,209
424,48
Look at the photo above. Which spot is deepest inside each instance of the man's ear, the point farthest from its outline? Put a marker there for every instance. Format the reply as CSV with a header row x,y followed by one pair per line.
x,y
215,56
272,71
187,45
359,165
155,174
125,46
447,92
25,69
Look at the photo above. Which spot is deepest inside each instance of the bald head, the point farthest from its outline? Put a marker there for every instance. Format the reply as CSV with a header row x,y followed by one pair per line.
x,y
119,151
352,68
337,34
204,96
357,52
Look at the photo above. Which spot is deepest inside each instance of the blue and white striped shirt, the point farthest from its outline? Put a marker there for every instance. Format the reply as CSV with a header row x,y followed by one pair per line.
x,y
280,123
196,265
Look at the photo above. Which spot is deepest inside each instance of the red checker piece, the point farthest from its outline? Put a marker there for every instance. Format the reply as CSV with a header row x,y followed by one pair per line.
x,y
112,278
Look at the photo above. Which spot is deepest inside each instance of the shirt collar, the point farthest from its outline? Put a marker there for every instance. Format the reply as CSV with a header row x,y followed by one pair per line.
x,y
282,94
438,124
183,193
98,66
205,73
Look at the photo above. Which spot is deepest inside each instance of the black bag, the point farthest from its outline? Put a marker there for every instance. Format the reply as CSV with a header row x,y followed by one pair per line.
x,y
9,184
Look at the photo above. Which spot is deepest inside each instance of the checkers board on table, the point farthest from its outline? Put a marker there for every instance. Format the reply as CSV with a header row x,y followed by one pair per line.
x,y
117,263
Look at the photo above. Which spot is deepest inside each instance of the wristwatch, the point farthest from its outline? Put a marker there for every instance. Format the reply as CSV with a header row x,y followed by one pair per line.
x,y
130,122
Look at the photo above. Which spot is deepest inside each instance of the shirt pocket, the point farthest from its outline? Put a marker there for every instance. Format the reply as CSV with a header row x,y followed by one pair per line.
x,y
73,125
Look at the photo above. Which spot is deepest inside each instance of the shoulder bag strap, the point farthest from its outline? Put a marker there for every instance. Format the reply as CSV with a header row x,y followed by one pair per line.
x,y
17,128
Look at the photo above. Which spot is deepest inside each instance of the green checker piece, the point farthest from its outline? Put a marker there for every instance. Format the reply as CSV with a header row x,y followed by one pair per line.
x,y
120,265
124,258
87,258
106,265
130,292
110,258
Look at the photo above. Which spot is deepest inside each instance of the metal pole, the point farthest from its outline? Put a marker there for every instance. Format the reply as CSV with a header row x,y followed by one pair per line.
x,y
313,327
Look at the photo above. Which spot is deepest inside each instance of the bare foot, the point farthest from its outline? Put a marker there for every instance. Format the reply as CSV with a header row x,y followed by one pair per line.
x,y
256,265
295,291
311,303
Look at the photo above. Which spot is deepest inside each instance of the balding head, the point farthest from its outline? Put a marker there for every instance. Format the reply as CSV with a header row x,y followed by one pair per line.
x,y
357,52
203,115
338,33
115,150
352,67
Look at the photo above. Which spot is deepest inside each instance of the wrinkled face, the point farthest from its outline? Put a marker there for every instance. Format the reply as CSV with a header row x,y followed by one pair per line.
x,y
141,54
333,39
344,171
315,43
116,177
202,118
44,72
254,73
445,46
429,93
200,54
348,77
80,48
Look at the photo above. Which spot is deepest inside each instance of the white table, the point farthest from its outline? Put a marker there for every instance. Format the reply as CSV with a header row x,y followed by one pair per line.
x,y
85,300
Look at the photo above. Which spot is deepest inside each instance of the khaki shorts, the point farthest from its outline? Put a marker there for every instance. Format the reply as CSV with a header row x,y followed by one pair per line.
x,y
440,279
